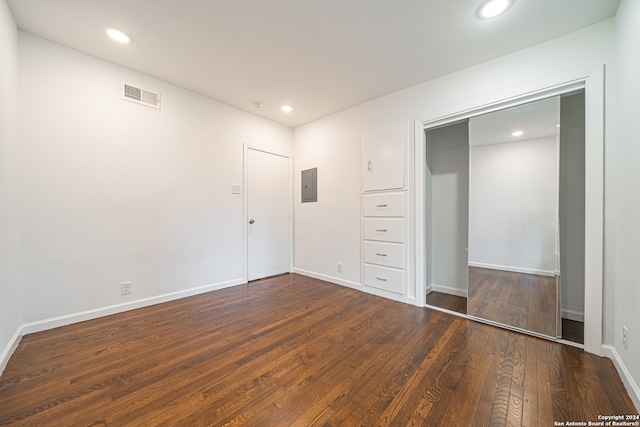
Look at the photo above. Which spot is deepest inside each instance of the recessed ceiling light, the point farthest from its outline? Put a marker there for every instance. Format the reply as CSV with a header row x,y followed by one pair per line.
x,y
492,8
517,133
286,108
118,35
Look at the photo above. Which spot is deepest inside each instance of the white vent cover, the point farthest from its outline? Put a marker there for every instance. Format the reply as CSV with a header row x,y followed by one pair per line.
x,y
140,96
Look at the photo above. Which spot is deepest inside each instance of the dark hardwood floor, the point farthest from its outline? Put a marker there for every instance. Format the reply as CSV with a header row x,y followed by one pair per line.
x,y
526,301
573,330
447,301
292,350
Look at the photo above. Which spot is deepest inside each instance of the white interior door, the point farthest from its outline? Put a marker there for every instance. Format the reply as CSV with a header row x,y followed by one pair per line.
x,y
268,213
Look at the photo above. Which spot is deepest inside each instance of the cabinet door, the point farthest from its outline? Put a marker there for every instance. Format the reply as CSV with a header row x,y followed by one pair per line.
x,y
384,229
383,204
388,279
382,253
383,160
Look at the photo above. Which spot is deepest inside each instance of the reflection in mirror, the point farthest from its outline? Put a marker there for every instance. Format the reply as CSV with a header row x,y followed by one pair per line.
x,y
505,207
513,216
526,217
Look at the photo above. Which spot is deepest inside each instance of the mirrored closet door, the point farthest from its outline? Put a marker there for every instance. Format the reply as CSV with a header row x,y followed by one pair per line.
x,y
505,216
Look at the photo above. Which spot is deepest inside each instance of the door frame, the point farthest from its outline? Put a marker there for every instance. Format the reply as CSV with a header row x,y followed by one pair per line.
x,y
245,200
593,83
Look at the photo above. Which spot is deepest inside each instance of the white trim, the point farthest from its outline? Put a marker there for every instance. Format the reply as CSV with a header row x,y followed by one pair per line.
x,y
245,201
420,230
593,82
578,316
628,381
512,100
10,348
330,279
594,210
513,269
385,294
447,290
55,322
68,319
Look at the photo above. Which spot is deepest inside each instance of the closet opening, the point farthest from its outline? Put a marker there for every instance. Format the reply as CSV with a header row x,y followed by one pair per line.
x,y
504,214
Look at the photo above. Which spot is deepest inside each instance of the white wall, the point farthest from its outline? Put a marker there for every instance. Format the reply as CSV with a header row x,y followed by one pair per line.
x,y
113,191
329,231
513,205
572,205
626,296
10,316
448,163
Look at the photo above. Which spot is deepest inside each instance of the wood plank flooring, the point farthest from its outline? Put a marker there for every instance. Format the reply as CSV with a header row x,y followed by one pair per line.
x,y
526,301
447,301
292,350
571,329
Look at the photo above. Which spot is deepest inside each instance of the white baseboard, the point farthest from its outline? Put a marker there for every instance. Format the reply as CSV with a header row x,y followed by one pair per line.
x,y
447,290
355,285
513,269
10,348
572,315
54,322
330,279
628,381
385,294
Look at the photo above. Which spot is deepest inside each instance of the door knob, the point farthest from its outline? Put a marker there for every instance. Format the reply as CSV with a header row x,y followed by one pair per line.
x,y
251,221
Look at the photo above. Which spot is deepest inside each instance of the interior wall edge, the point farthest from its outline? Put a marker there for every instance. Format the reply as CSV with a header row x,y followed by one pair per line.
x,y
68,319
451,290
578,316
513,269
10,348
327,278
632,387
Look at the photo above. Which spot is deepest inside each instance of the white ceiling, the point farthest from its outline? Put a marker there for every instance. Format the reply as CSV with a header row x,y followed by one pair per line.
x,y
320,56
536,119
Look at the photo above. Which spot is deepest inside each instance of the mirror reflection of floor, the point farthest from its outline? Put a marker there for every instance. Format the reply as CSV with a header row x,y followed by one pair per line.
x,y
447,301
523,300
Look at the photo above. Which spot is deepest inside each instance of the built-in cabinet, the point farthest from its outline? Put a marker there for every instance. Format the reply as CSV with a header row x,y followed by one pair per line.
x,y
384,207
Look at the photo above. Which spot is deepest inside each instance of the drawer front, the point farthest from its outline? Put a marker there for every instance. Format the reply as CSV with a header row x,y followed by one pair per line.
x,y
388,279
384,204
388,254
384,229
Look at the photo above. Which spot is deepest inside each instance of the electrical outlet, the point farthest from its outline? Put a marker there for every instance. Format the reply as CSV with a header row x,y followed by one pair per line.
x,y
625,338
125,288
339,267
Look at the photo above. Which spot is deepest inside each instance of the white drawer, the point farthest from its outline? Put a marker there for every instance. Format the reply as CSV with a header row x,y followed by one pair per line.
x,y
388,254
384,229
388,279
384,204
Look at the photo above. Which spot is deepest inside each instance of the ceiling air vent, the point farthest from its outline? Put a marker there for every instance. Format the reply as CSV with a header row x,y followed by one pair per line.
x,y
140,96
